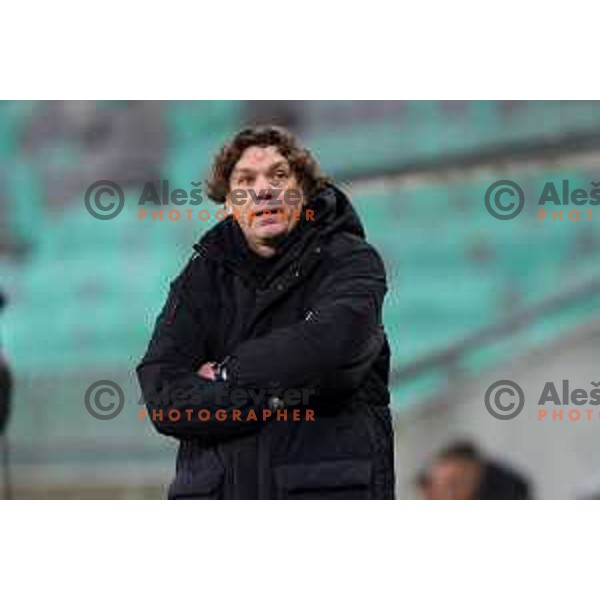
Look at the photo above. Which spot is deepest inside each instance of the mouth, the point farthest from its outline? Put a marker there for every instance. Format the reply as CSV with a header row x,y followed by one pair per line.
x,y
267,216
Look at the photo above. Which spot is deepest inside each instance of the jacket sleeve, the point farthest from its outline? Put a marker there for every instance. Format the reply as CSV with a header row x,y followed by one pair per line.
x,y
168,377
334,346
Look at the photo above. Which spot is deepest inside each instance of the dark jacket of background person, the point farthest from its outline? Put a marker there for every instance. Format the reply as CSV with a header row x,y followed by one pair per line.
x,y
312,321
5,382
5,390
500,482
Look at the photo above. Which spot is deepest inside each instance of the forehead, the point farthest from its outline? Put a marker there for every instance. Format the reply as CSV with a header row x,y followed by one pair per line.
x,y
257,157
451,466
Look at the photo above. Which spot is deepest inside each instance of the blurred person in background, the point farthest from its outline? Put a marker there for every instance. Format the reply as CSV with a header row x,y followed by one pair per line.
x,y
274,301
461,472
5,381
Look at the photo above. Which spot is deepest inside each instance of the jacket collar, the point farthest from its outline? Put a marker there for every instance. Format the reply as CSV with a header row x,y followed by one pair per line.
x,y
333,213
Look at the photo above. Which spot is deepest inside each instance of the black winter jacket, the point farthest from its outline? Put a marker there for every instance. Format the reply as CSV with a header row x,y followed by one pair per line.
x,y
304,412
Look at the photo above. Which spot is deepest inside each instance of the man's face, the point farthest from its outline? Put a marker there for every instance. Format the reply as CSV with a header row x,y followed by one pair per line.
x,y
455,479
262,179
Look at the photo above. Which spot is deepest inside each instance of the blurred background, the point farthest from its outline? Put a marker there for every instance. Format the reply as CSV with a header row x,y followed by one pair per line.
x,y
473,299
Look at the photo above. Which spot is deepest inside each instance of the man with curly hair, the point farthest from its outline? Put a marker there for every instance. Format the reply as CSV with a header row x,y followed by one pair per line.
x,y
269,362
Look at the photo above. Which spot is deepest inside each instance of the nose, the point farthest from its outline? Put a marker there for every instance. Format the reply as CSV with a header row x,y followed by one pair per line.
x,y
263,188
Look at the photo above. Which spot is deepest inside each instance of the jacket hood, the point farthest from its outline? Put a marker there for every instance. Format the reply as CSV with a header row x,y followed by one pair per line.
x,y
334,213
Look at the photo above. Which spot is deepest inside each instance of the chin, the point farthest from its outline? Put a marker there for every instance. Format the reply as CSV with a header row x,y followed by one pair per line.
x,y
271,231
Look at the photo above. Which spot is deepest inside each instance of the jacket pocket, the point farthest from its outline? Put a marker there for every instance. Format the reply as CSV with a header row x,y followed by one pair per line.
x,y
332,480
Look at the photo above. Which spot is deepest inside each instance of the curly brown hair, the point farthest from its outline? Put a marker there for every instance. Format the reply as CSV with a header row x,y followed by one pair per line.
x,y
301,161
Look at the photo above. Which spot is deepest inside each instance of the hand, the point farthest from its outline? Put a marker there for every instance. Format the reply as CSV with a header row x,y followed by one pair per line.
x,y
207,370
